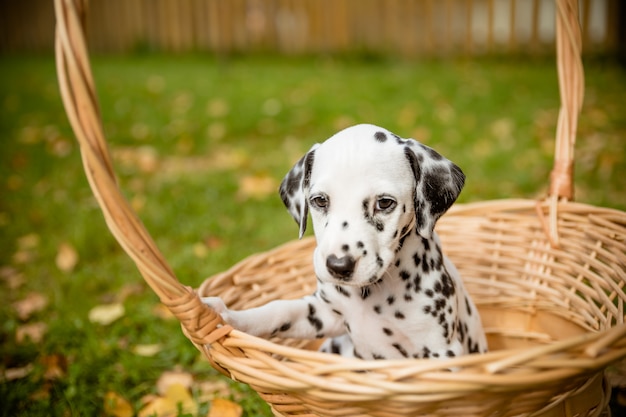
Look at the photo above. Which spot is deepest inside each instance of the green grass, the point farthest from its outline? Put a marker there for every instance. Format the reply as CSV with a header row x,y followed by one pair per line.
x,y
495,118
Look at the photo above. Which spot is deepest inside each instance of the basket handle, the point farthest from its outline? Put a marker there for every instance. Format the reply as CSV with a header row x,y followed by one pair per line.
x,y
571,91
202,324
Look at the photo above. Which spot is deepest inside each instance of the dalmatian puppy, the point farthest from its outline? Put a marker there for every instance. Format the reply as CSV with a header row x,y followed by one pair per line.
x,y
385,289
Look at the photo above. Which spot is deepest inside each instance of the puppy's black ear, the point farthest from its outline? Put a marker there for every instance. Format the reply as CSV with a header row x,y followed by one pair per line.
x,y
294,189
438,183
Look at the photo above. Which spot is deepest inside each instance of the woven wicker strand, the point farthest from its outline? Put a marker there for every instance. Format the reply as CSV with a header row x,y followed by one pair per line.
x,y
549,283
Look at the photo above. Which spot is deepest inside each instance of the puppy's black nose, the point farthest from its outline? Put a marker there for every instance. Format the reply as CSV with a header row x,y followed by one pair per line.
x,y
341,268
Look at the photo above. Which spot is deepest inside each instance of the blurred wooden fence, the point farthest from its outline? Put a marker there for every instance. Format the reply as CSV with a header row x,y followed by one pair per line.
x,y
408,27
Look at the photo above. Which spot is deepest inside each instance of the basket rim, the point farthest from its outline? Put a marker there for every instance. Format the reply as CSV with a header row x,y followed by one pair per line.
x,y
226,347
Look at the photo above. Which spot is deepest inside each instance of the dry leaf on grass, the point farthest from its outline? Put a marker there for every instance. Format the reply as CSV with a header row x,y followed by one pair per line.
x,y
128,290
32,331
117,406
55,365
209,390
106,314
32,303
161,311
176,396
67,257
12,277
26,248
224,408
147,350
12,374
256,186
169,378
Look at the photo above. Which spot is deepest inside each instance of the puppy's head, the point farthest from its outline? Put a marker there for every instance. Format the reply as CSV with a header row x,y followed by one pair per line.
x,y
367,188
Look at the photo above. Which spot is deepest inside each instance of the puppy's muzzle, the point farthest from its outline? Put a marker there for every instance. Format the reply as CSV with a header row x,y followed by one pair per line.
x,y
341,268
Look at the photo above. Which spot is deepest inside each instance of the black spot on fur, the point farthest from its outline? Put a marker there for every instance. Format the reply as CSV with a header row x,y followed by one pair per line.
x,y
473,347
324,297
283,328
387,331
429,293
431,152
420,216
414,163
436,191
372,220
379,261
461,333
424,263
380,136
377,356
408,297
342,291
467,306
404,275
313,319
344,225
365,292
448,289
400,349
360,245
345,248
417,283
399,315
391,299
337,312
377,309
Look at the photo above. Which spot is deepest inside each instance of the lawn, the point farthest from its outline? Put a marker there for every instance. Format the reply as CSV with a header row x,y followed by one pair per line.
x,y
200,145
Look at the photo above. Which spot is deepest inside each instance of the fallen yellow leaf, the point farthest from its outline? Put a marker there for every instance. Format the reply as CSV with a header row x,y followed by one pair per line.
x,y
12,277
177,396
147,350
55,365
106,314
12,374
257,186
209,390
117,406
224,408
33,332
161,311
32,303
66,258
28,242
169,378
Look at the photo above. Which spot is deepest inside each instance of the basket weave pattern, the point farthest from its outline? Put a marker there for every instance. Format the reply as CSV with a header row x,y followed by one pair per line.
x,y
547,276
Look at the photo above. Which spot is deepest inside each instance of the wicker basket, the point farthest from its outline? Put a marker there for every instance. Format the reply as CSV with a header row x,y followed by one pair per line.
x,y
548,277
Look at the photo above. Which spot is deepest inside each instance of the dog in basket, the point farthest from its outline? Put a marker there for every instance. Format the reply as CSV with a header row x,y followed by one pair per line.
x,y
385,290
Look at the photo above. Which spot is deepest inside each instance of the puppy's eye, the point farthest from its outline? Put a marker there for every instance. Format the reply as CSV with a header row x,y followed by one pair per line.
x,y
320,201
385,204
